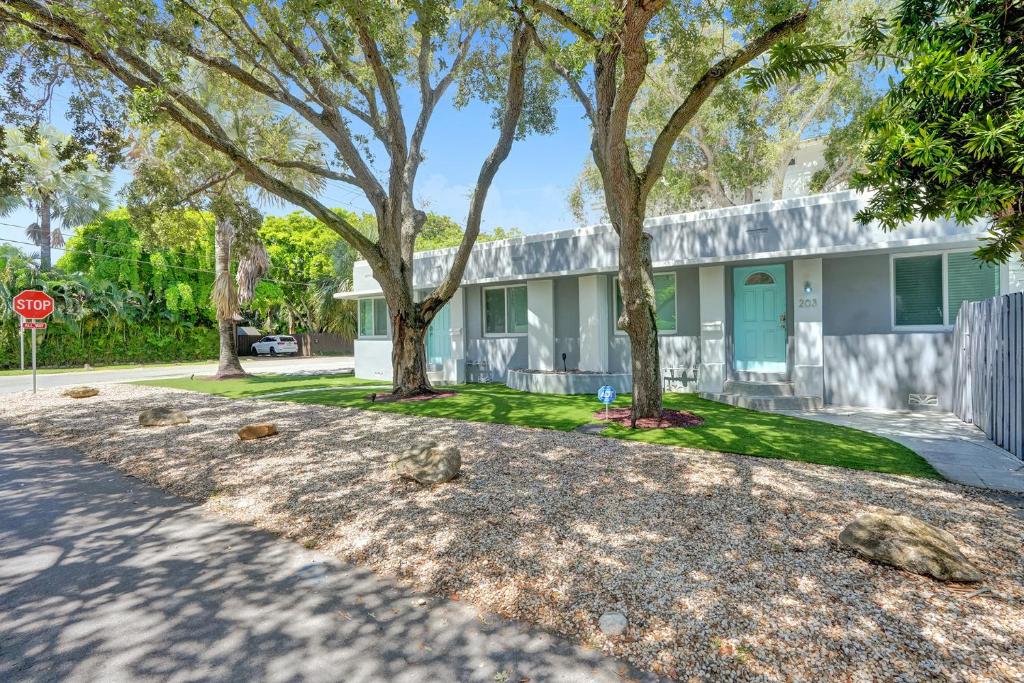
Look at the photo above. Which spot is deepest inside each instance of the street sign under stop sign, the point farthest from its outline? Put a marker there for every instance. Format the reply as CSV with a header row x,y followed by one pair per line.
x,y
33,304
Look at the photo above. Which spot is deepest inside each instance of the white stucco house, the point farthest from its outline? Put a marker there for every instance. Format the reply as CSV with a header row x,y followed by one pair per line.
x,y
790,300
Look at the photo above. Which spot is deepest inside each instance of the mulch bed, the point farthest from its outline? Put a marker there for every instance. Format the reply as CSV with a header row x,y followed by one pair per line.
x,y
669,418
391,398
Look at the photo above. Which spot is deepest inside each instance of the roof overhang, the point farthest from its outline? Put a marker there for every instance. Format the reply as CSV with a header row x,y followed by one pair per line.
x,y
361,294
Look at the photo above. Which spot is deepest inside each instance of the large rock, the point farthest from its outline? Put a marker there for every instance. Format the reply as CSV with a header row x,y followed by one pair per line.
x,y
162,416
81,392
909,543
257,431
428,463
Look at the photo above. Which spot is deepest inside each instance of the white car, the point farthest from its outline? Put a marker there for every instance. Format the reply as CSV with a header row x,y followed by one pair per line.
x,y
276,346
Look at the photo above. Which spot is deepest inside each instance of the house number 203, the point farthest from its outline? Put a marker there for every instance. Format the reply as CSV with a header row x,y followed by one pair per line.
x,y
808,303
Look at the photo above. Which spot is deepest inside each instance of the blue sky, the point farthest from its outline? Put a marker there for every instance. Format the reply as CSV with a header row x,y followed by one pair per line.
x,y
530,191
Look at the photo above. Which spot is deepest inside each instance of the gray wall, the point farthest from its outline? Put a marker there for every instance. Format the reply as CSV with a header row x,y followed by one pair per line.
x,y
857,297
867,363
567,321
500,353
681,349
882,370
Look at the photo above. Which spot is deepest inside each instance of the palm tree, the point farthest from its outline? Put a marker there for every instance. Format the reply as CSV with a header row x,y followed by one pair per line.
x,y
68,192
173,171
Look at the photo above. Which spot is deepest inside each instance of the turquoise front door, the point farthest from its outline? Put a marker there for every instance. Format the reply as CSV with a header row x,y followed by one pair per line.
x,y
759,295
439,339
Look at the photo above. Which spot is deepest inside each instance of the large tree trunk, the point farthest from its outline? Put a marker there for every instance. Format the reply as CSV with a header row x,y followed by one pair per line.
x,y
638,320
228,365
44,235
409,357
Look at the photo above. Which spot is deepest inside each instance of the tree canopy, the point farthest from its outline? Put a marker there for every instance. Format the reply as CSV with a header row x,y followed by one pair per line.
x,y
948,138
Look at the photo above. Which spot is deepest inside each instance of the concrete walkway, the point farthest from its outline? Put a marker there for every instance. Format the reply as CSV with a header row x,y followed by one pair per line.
x,y
315,365
103,578
959,451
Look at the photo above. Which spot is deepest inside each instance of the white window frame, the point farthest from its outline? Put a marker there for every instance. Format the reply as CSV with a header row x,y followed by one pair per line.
x,y
946,325
615,312
483,311
359,320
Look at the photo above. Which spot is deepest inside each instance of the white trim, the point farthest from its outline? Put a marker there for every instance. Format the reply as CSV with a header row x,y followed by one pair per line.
x,y
946,324
483,312
615,305
359,319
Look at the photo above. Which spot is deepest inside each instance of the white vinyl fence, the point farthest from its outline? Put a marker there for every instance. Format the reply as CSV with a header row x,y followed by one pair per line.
x,y
988,369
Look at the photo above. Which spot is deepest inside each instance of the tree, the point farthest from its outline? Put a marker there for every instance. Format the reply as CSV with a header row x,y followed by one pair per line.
x,y
58,186
948,138
173,171
342,66
602,52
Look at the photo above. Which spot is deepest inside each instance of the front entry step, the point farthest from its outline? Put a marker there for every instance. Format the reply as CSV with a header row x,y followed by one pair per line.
x,y
776,394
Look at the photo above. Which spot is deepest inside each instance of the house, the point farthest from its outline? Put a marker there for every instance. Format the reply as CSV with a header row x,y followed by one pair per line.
x,y
791,297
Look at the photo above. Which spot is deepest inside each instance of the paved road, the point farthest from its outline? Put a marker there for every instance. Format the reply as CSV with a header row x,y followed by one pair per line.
x,y
12,383
103,578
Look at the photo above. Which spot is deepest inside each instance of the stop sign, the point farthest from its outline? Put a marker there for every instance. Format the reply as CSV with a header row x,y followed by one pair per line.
x,y
33,304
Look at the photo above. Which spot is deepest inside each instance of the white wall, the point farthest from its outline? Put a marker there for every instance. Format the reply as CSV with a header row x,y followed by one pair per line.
x,y
594,313
712,329
373,359
540,302
808,352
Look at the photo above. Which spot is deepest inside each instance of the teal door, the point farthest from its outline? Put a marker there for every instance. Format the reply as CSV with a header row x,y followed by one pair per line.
x,y
759,294
439,339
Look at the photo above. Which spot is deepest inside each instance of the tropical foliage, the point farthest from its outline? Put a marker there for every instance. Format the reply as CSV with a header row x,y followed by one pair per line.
x,y
124,296
948,138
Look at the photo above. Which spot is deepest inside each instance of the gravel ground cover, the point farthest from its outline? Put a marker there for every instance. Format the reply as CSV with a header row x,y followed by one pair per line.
x,y
727,567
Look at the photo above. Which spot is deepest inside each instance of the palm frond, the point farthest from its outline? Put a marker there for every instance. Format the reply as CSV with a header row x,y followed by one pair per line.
x,y
252,267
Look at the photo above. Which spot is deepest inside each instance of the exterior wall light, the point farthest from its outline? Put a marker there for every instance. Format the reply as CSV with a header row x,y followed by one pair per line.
x,y
807,287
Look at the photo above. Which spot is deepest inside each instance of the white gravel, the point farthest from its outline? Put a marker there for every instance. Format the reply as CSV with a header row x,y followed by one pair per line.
x,y
728,567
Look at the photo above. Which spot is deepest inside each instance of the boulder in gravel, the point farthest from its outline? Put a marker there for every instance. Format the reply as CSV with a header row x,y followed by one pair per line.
x,y
257,431
162,416
613,623
81,392
428,463
909,543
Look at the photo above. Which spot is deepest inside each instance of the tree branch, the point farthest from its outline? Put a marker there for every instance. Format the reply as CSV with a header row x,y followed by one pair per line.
x,y
563,18
514,97
703,88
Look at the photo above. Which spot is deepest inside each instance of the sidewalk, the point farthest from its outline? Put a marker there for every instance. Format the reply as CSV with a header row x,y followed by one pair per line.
x,y
103,578
959,451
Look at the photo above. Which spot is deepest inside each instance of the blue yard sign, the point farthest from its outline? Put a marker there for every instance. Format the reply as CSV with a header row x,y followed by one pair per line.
x,y
606,395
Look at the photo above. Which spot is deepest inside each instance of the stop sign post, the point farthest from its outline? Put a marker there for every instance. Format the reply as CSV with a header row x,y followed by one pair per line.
x,y
32,305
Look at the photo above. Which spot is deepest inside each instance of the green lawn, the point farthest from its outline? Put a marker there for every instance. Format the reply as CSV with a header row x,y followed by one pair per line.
x,y
726,428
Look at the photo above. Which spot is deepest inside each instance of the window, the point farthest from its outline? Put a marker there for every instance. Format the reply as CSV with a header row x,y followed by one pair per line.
x,y
664,298
759,279
373,317
505,311
928,290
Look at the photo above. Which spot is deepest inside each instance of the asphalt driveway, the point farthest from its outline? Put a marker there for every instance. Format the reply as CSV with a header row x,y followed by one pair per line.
x,y
103,578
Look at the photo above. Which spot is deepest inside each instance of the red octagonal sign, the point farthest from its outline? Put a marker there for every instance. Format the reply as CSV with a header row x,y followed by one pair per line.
x,y
33,304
